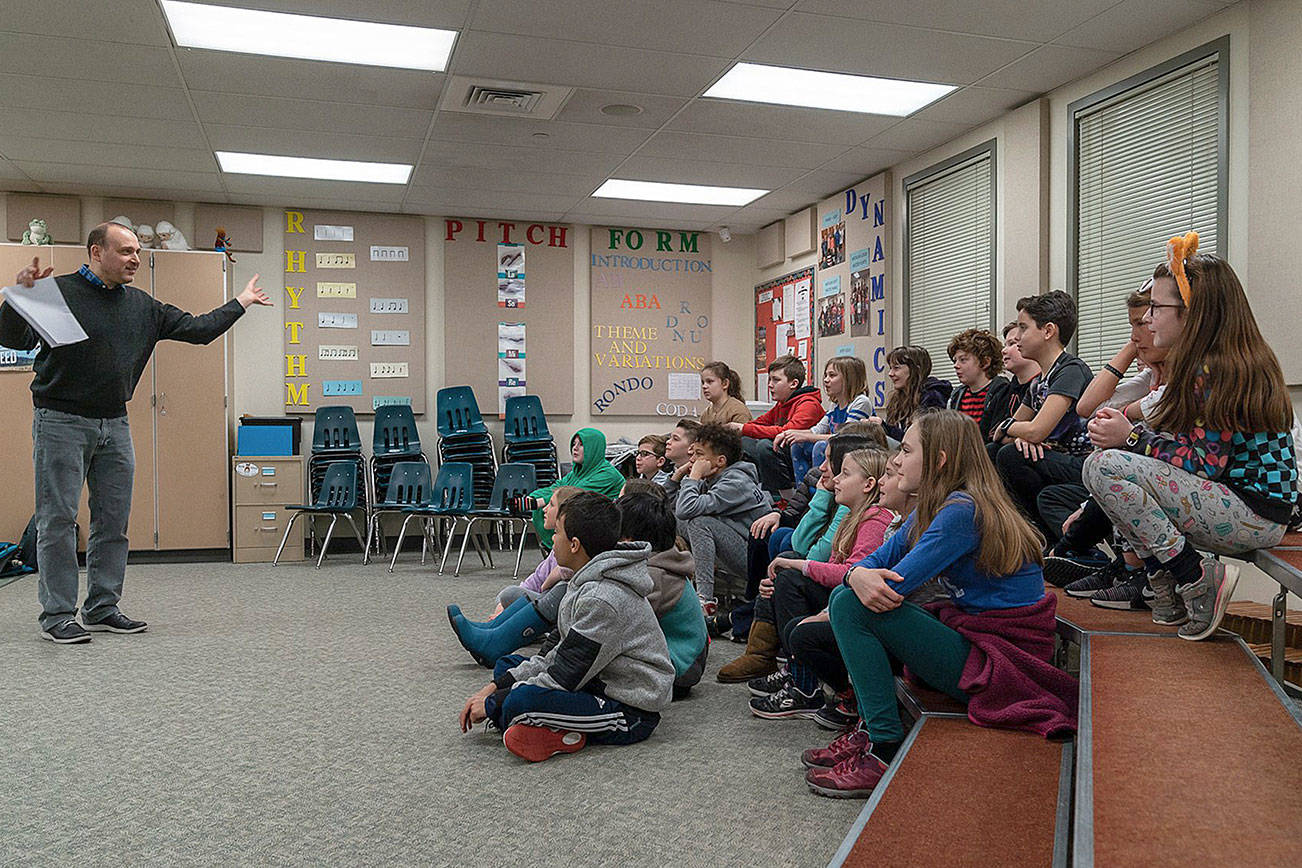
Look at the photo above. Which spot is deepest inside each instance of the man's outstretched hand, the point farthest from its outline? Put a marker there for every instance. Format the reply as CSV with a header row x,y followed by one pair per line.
x,y
33,273
253,294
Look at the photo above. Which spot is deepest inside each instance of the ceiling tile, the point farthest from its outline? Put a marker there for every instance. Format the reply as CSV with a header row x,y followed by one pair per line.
x,y
915,134
975,105
84,95
163,194
871,159
885,50
726,117
492,129
496,201
698,26
1048,67
441,157
822,183
122,177
736,149
307,143
308,79
584,106
448,14
292,190
1040,21
651,215
9,171
303,114
1134,23
109,129
144,157
433,177
71,57
277,199
132,21
553,61
643,168
785,201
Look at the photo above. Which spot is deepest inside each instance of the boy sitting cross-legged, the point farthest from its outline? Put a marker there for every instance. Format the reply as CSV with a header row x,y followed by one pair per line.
x,y
610,676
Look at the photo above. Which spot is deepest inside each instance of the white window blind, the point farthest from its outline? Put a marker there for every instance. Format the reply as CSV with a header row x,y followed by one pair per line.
x,y
1148,168
949,258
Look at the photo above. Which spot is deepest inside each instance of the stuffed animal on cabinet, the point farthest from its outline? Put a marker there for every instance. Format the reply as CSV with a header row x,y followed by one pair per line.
x,y
145,232
37,232
223,243
169,237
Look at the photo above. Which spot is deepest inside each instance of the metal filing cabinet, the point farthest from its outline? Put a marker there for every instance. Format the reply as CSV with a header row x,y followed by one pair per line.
x,y
262,488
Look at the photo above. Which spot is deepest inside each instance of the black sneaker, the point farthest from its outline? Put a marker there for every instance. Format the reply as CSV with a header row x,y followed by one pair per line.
x,y
719,625
1063,568
840,716
1127,594
117,623
67,632
1095,582
787,702
767,685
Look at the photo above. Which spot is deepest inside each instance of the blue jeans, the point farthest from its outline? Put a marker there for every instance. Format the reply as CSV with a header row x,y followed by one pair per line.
x,y
805,457
780,541
69,451
602,719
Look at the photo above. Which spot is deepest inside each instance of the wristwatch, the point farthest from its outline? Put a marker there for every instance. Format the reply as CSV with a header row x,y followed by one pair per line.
x,y
845,580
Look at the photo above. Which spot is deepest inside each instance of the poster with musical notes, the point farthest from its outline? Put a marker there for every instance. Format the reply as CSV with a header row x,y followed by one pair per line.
x,y
354,310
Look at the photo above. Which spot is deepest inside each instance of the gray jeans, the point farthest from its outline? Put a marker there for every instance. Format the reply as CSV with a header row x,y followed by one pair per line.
x,y
69,451
719,549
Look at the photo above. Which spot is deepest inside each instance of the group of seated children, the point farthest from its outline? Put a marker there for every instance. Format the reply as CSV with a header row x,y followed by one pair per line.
x,y
853,560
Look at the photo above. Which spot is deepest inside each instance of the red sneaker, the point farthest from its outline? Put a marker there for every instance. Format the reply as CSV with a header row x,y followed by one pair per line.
x,y
847,744
852,778
537,743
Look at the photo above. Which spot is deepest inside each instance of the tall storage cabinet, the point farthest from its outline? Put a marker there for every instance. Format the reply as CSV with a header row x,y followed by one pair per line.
x,y
178,416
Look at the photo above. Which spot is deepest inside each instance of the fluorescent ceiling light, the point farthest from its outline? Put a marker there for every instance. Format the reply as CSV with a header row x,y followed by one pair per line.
x,y
781,85
692,194
308,167
280,34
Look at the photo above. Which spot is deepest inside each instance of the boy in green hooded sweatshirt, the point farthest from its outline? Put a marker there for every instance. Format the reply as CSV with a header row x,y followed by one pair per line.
x,y
591,472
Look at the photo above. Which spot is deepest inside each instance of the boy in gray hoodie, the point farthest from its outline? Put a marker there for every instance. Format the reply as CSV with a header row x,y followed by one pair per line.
x,y
719,501
610,676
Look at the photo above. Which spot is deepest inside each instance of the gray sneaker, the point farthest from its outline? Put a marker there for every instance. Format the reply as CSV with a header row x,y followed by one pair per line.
x,y
1168,608
1207,599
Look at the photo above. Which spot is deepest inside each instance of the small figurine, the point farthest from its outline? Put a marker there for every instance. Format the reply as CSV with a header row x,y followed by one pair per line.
x,y
145,233
37,233
169,237
223,243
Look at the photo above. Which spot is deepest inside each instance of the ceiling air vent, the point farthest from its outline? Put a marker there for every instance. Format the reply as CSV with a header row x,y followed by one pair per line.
x,y
507,98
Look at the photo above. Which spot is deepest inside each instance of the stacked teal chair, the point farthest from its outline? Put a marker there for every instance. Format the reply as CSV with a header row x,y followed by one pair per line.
x,y
464,437
395,440
409,486
335,438
526,438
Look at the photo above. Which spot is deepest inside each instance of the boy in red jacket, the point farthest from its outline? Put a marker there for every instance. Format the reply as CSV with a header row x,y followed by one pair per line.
x,y
797,407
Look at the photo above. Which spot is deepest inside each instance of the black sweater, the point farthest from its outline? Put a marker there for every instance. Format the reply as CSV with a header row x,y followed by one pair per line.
x,y
96,377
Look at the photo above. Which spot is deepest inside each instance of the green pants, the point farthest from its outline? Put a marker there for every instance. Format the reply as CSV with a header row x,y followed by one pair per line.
x,y
868,640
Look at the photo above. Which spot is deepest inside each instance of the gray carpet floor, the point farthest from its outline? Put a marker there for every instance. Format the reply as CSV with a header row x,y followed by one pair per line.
x,y
291,716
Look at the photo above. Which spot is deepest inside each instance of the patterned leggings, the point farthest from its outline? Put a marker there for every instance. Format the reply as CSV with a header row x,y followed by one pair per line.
x,y
1158,507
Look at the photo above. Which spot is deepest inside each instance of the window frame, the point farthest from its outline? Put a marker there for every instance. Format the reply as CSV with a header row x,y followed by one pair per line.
x,y
1116,92
987,149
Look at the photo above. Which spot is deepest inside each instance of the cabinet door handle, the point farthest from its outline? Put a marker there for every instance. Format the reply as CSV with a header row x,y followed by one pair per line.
x,y
265,484
268,529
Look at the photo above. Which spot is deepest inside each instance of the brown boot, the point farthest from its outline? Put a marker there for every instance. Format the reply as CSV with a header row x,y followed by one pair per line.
x,y
761,657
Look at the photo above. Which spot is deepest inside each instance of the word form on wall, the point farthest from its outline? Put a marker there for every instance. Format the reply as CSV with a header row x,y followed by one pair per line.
x,y
354,311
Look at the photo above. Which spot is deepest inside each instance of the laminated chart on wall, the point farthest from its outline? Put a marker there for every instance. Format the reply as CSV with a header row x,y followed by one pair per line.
x,y
354,310
511,371
651,328
784,314
510,275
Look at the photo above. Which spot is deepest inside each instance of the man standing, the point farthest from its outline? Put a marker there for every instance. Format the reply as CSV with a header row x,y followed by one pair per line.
x,y
80,433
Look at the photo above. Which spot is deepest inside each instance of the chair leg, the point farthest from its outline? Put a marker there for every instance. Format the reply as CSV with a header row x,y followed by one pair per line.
x,y
447,546
519,551
485,550
370,532
397,546
284,539
470,524
325,543
357,533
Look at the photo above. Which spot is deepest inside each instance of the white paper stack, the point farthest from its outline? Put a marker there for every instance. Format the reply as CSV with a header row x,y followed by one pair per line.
x,y
43,307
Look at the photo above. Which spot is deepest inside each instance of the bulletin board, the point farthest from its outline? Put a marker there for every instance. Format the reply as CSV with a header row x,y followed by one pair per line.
x,y
784,317
354,310
853,316
650,332
508,317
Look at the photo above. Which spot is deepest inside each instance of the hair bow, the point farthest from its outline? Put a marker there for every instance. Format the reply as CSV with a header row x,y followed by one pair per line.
x,y
1178,249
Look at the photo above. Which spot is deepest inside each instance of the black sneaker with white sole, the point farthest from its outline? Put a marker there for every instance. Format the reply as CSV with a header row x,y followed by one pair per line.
x,y
767,685
1095,582
67,632
1063,568
117,623
787,702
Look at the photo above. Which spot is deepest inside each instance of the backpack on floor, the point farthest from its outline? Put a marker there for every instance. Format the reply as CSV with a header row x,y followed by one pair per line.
x,y
11,563
27,545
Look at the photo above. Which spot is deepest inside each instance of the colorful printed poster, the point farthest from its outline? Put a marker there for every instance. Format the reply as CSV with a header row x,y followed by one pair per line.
x,y
831,316
510,363
860,321
510,275
831,251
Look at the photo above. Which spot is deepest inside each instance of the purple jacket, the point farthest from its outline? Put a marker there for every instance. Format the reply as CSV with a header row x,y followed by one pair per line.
x,y
538,576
